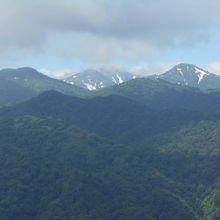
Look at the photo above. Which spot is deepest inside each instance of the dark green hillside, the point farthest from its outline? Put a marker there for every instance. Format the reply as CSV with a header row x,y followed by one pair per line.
x,y
11,93
167,168
144,89
114,116
196,152
210,204
50,170
24,83
161,94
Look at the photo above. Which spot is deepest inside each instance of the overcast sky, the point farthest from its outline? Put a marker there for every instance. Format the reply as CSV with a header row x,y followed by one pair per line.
x,y
64,36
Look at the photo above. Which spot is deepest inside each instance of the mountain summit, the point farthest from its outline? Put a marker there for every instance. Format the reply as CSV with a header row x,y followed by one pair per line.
x,y
92,79
191,75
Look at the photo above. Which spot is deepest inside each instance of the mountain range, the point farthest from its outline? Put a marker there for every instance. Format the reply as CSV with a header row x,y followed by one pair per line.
x,y
147,148
168,157
21,84
181,74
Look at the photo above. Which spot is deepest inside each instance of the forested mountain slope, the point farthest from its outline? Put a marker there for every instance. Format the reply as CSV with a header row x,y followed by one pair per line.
x,y
161,94
21,84
51,170
113,116
131,161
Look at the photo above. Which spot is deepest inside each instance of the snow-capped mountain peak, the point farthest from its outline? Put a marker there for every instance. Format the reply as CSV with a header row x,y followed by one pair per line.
x,y
188,69
96,79
191,75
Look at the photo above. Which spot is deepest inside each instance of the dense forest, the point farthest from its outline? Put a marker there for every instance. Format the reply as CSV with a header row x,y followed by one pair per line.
x,y
53,170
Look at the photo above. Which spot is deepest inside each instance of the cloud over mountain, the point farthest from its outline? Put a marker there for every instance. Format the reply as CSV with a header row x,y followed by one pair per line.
x,y
104,30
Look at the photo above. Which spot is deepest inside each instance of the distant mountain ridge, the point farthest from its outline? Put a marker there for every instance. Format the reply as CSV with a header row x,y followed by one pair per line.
x,y
29,77
182,74
17,85
92,79
190,75
161,94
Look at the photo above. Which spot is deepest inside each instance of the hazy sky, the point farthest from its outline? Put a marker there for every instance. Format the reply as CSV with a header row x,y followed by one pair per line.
x,y
149,35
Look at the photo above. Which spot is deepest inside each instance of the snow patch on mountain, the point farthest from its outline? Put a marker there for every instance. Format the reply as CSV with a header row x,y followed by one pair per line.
x,y
114,80
90,86
180,71
119,79
102,85
201,74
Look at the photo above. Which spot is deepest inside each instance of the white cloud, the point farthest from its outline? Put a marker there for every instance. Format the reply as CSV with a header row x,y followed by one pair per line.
x,y
141,70
58,74
101,30
214,67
